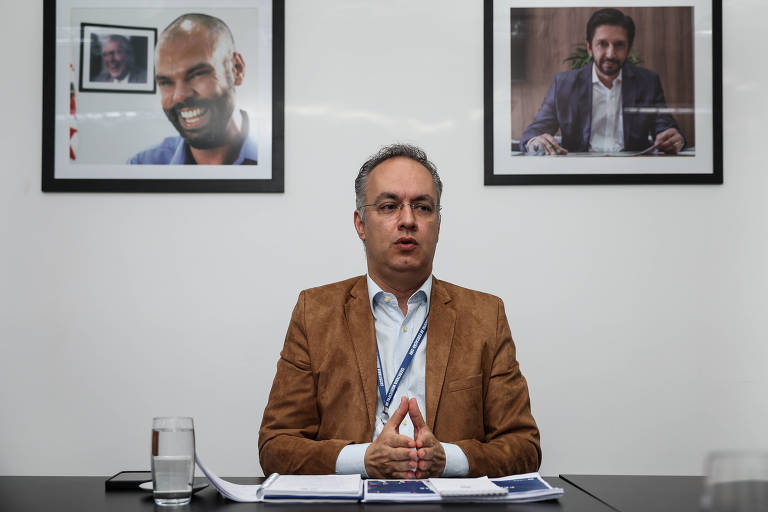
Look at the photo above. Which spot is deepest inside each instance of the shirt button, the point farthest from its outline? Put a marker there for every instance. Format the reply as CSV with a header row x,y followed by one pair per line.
x,y
405,329
386,299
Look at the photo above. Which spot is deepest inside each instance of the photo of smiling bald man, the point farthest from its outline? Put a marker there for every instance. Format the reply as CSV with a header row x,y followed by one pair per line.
x,y
197,70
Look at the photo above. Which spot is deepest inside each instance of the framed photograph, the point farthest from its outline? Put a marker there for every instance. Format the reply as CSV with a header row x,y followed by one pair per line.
x,y
115,58
163,96
603,93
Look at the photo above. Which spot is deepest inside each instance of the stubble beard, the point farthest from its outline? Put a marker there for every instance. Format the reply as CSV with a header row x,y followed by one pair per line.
x,y
603,70
214,133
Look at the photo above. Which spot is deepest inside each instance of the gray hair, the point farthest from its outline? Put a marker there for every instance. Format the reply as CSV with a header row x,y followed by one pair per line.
x,y
121,40
415,153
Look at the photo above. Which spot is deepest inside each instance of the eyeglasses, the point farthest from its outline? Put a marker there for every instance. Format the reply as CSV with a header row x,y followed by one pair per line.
x,y
421,210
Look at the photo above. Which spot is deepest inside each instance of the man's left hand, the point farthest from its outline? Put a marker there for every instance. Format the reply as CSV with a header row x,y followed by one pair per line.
x,y
669,141
431,453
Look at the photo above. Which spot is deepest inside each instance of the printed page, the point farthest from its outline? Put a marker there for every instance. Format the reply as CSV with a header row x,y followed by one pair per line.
x,y
459,487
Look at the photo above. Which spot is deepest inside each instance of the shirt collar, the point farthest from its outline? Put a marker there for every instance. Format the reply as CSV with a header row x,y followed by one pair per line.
x,y
248,150
424,291
596,79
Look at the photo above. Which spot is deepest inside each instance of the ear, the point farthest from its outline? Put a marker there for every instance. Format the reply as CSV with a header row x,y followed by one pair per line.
x,y
238,67
359,226
589,48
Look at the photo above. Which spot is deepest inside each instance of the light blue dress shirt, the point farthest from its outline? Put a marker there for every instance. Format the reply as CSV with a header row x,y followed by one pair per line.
x,y
174,151
394,335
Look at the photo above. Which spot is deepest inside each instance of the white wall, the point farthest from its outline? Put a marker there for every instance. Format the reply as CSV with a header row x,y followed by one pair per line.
x,y
639,311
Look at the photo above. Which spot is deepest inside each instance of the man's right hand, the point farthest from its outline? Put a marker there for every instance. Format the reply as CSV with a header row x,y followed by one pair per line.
x,y
546,143
392,455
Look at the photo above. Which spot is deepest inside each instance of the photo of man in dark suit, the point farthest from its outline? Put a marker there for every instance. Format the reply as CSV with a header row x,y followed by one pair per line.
x,y
608,105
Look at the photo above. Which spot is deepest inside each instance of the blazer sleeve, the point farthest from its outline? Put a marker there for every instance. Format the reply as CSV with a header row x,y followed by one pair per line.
x,y
664,121
545,120
291,421
511,442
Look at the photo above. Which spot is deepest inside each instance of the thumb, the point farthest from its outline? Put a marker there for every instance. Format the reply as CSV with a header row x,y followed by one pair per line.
x,y
416,418
399,415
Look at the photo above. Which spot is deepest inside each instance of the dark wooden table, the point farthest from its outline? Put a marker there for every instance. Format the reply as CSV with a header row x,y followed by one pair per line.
x,y
642,493
87,494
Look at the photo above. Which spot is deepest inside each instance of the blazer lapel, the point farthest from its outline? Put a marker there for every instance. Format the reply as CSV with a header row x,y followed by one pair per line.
x,y
442,319
357,312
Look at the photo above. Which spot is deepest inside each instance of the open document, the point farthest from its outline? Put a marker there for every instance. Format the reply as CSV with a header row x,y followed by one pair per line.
x,y
289,488
235,492
514,489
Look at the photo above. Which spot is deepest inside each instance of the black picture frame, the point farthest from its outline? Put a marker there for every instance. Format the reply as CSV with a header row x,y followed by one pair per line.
x,y
511,49
93,77
62,173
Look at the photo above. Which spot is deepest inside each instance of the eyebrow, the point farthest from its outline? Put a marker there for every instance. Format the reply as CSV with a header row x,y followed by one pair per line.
x,y
199,67
193,69
392,195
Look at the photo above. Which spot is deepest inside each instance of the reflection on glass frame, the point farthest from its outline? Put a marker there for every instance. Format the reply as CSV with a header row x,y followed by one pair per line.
x,y
116,58
602,94
211,115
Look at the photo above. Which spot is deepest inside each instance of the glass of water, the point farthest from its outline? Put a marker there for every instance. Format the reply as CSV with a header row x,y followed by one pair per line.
x,y
173,460
736,482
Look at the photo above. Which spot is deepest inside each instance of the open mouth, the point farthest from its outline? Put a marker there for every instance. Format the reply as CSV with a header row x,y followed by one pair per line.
x,y
114,69
406,243
191,118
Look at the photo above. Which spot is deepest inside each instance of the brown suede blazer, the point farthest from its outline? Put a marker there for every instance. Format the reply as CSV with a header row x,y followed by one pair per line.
x,y
324,393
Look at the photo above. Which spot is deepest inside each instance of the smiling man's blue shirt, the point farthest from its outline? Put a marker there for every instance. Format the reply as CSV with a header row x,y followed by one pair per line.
x,y
174,151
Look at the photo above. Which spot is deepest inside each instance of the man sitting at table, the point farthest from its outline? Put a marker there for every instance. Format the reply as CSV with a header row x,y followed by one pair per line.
x,y
364,386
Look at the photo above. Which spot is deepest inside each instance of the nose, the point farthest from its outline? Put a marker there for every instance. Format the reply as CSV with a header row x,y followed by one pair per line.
x,y
181,91
407,218
610,52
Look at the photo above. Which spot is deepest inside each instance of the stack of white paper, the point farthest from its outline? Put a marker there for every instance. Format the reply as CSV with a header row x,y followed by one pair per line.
x,y
313,487
465,487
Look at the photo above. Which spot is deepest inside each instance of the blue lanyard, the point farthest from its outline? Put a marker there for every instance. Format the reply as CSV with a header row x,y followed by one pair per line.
x,y
386,397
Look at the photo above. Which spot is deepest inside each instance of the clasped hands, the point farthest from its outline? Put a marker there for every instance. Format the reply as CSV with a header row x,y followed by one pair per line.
x,y
392,455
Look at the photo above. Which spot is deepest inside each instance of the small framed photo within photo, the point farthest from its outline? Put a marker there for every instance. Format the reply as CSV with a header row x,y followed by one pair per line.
x,y
116,58
603,93
163,96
